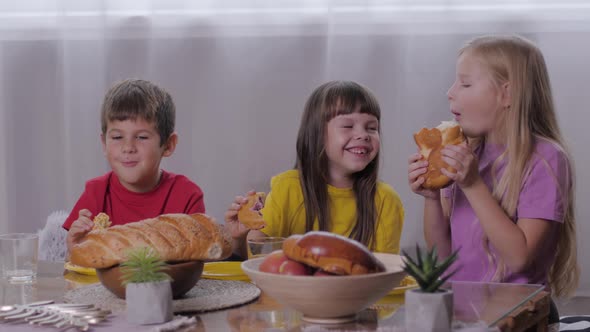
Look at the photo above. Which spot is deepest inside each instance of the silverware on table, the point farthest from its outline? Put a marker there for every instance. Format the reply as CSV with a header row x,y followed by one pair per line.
x,y
59,315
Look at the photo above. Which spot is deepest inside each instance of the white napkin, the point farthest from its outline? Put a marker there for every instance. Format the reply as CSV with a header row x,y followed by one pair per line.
x,y
176,323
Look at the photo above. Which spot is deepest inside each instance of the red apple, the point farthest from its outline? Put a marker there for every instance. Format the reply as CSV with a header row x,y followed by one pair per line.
x,y
272,262
293,268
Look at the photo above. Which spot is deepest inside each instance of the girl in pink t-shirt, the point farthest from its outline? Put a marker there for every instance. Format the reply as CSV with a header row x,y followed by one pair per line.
x,y
510,210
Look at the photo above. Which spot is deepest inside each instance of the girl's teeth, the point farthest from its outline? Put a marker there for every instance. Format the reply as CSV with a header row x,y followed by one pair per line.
x,y
357,151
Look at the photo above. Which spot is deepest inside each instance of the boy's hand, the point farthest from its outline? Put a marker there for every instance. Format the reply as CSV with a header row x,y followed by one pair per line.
x,y
417,166
79,228
236,228
461,158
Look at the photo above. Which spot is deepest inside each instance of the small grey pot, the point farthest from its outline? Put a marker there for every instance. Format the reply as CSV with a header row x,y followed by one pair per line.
x,y
429,312
149,302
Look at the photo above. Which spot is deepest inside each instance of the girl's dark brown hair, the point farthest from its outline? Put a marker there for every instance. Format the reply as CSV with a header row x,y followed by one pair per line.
x,y
326,102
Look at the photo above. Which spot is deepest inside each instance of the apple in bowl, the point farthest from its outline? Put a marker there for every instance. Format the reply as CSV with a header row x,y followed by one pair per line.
x,y
277,262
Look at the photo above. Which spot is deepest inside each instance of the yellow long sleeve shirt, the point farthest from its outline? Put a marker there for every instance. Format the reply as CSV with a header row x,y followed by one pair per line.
x,y
284,211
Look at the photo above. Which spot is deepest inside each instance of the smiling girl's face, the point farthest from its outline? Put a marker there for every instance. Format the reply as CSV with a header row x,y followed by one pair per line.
x,y
351,143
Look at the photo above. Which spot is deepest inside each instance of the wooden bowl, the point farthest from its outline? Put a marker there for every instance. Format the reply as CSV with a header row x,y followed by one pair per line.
x,y
328,299
184,277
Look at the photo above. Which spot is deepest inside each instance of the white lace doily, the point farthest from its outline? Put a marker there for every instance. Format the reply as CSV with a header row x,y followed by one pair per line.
x,y
207,295
52,238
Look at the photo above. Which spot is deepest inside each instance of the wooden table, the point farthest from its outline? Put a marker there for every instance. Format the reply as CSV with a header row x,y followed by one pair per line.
x,y
504,307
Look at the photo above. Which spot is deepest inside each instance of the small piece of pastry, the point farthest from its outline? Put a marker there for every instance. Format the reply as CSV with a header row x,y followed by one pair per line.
x,y
102,221
250,214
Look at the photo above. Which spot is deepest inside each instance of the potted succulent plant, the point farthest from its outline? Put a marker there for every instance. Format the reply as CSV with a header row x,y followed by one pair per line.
x,y
430,307
147,287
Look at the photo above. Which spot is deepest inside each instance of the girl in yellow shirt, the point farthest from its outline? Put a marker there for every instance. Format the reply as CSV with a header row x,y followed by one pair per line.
x,y
334,185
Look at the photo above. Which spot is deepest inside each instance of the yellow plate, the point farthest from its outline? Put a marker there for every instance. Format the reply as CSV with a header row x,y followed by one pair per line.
x,y
407,282
83,279
224,271
79,269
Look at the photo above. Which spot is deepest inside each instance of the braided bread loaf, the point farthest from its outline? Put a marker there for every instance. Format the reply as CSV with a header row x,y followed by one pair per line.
x,y
175,237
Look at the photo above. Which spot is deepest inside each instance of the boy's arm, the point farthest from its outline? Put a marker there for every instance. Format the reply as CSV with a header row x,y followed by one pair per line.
x,y
92,199
80,227
90,203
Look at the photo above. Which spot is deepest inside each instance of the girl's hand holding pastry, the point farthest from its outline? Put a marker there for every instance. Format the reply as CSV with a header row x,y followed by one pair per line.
x,y
236,228
417,167
464,161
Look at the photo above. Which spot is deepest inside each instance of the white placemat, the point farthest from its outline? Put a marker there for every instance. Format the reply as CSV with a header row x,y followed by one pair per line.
x,y
207,295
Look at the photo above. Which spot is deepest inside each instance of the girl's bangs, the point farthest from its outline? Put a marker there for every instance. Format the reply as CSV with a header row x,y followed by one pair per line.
x,y
342,101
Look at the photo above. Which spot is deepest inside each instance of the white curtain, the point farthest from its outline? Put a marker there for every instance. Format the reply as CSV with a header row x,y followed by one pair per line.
x,y
240,72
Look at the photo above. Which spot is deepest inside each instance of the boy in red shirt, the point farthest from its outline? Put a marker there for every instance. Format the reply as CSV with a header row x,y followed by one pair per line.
x,y
137,120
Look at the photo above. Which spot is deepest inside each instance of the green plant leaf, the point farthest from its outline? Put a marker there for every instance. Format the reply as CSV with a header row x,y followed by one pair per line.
x,y
427,269
419,255
415,271
143,265
436,286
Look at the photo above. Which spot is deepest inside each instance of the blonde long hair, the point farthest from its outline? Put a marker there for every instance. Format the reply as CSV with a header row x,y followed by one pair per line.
x,y
531,118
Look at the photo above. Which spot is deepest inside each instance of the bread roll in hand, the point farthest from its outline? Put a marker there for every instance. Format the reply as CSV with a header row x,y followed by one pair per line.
x,y
249,214
430,142
102,221
331,253
174,237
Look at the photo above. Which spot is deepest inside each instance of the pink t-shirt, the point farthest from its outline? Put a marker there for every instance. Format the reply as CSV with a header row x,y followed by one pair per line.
x,y
174,194
542,197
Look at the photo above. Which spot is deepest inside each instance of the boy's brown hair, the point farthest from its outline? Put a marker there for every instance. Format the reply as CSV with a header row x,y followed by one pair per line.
x,y
132,99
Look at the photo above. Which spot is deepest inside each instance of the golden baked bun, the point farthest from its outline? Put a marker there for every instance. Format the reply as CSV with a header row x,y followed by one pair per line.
x,y
101,221
430,142
249,214
174,237
332,253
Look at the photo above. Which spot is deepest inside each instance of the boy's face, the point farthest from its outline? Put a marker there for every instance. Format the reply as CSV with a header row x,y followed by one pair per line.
x,y
134,152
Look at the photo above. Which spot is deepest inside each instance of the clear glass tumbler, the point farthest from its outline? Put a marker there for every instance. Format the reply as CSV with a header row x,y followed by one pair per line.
x,y
18,256
263,246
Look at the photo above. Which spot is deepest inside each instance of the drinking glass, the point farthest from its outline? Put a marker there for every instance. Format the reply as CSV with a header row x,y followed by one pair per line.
x,y
18,256
263,246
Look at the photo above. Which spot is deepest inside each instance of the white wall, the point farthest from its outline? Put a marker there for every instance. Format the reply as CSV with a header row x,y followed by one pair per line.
x,y
240,83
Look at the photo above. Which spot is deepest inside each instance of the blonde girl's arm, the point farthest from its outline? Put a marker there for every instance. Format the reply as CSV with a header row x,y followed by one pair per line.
x,y
516,243
437,228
